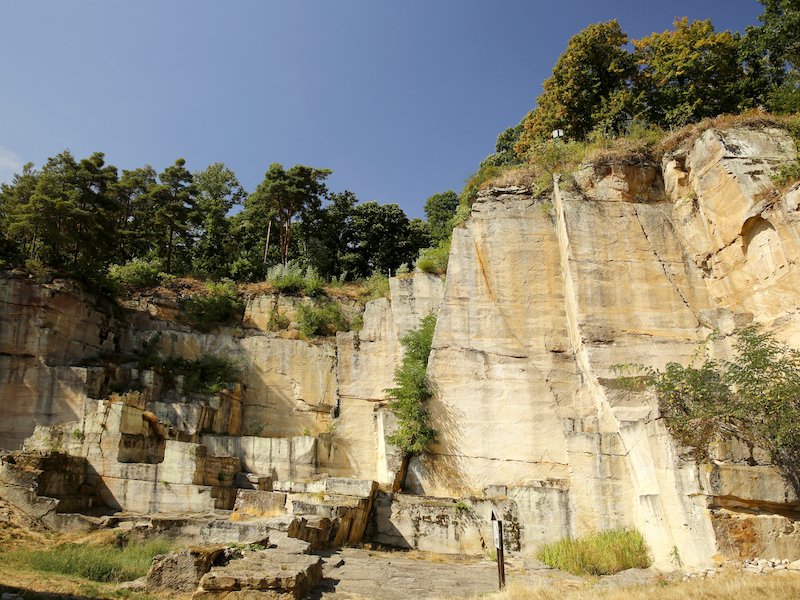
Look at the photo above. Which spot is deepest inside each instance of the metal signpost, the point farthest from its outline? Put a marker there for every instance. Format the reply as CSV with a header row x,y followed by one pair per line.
x,y
497,534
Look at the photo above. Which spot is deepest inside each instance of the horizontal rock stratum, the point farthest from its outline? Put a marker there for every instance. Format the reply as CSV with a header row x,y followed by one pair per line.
x,y
544,295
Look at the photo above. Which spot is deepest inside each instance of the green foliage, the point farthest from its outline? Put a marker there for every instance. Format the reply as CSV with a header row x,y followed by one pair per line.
x,y
787,175
207,375
755,396
434,260
98,563
688,73
408,399
594,67
292,279
505,154
376,286
322,318
603,553
138,273
383,239
283,195
218,305
218,192
277,320
440,210
475,183
171,203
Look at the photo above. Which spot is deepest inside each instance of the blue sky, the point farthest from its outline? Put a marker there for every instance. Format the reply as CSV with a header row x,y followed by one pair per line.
x,y
400,99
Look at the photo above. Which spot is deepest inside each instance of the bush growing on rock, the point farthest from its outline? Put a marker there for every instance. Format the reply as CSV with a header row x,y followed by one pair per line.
x,y
218,305
294,280
755,396
434,260
325,318
415,432
138,273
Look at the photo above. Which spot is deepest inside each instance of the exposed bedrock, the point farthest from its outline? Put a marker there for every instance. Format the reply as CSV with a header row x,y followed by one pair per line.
x,y
622,264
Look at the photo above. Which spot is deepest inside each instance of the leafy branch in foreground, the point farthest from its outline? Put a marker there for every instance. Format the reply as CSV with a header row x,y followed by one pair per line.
x,y
755,396
407,401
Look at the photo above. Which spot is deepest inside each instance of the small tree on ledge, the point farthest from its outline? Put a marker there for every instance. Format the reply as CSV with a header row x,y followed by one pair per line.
x,y
408,400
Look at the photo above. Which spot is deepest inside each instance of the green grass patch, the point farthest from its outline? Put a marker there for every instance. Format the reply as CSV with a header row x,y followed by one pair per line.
x,y
603,553
293,280
207,375
218,305
323,318
434,260
97,563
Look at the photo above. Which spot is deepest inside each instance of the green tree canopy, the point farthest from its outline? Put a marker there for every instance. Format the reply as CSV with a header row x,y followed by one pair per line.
x,y
595,67
286,195
218,191
440,210
171,203
771,57
383,239
689,73
64,215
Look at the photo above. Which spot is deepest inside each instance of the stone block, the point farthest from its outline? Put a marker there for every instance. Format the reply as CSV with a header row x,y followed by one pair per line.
x,y
314,530
184,462
182,571
221,470
747,486
280,458
495,491
255,503
251,481
360,488
266,574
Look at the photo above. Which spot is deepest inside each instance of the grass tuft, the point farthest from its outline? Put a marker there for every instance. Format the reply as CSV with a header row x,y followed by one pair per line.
x,y
97,563
603,553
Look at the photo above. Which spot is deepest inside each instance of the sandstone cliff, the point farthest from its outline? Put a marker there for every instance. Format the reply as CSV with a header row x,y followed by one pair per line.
x,y
627,264
621,264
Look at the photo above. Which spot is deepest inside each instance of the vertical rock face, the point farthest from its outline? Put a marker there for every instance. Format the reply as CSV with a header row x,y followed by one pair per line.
x,y
366,363
629,264
44,331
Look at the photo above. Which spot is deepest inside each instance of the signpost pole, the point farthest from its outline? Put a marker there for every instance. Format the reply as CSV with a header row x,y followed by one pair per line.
x,y
497,534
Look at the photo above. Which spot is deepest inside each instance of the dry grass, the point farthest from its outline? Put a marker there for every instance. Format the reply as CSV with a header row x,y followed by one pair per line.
x,y
17,576
519,175
752,118
725,586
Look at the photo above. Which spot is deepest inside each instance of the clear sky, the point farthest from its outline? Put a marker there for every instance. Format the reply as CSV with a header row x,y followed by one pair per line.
x,y
401,98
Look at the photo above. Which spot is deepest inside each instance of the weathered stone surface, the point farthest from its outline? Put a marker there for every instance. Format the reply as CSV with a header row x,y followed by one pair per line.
x,y
44,330
624,264
279,458
181,571
255,503
395,576
441,525
365,368
541,302
265,574
748,534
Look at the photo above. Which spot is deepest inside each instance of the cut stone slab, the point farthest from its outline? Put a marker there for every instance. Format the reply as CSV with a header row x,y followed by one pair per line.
x,y
267,574
182,570
342,486
255,503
